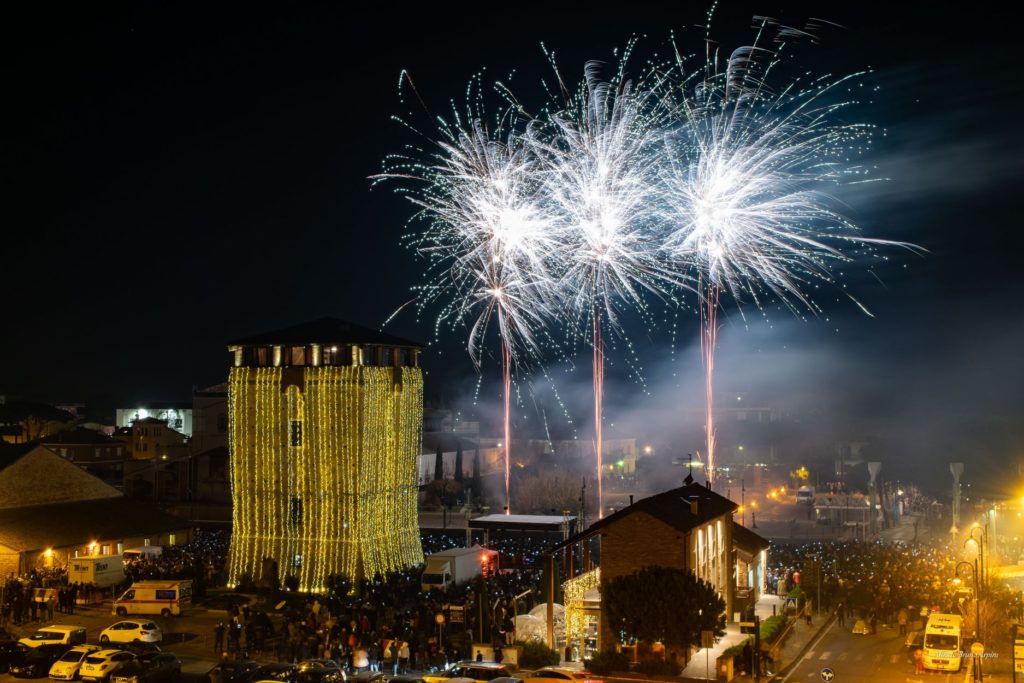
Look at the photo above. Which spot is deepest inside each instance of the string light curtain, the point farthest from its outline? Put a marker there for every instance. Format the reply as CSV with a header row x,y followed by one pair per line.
x,y
324,476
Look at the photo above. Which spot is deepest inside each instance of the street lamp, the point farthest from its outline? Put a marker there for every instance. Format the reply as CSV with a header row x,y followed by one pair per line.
x,y
980,542
977,605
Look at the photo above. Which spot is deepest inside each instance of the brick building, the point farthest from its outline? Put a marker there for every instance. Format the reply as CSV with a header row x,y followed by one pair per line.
x,y
52,510
96,453
689,528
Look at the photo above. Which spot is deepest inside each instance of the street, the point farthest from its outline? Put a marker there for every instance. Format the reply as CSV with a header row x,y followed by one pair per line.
x,y
879,658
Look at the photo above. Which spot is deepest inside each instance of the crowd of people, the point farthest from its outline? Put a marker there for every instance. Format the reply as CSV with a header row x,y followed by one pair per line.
x,y
874,581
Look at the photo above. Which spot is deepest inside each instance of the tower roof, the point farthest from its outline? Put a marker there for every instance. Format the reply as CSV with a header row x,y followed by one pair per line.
x,y
324,331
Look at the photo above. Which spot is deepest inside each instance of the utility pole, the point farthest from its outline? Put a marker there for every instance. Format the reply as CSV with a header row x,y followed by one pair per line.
x,y
757,649
743,501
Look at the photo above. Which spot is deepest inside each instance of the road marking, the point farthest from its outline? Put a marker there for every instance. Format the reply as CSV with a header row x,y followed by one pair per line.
x,y
809,654
842,656
825,655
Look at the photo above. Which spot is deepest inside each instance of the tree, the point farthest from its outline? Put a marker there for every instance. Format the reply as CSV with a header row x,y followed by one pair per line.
x,y
663,604
439,464
540,494
476,484
458,462
36,419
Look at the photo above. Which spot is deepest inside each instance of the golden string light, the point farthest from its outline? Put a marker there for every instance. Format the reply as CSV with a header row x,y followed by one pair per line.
x,y
324,475
574,590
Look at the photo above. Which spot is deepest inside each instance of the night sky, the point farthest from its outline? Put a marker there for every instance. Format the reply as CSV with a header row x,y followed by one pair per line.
x,y
179,175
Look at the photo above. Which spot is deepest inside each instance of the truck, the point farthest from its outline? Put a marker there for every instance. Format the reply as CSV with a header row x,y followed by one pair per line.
x,y
457,565
102,571
805,494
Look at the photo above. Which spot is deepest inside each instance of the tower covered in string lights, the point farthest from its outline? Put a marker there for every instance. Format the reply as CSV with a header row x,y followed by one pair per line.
x,y
325,428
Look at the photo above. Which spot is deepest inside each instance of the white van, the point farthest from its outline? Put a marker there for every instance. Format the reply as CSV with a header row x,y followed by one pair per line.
x,y
143,552
56,635
155,597
942,645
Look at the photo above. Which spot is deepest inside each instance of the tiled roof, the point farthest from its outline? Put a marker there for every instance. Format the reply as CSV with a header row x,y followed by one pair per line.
x,y
673,507
78,523
79,436
324,331
747,539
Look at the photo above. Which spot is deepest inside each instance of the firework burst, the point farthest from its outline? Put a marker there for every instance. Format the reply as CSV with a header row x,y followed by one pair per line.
x,y
745,186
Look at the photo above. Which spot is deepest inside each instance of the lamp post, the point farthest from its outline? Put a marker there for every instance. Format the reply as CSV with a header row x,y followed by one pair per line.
x,y
977,607
980,541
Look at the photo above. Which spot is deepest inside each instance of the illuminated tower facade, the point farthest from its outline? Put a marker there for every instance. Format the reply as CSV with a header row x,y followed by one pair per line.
x,y
325,428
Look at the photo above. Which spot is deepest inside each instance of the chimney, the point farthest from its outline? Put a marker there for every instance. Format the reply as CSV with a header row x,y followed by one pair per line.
x,y
709,485
631,499
693,506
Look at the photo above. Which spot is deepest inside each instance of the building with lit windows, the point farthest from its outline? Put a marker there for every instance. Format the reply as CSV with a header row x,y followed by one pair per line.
x,y
325,424
689,528
52,510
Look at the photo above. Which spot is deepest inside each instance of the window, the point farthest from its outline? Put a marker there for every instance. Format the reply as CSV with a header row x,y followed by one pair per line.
x,y
145,542
222,423
166,594
105,549
296,511
295,433
171,539
120,548
295,355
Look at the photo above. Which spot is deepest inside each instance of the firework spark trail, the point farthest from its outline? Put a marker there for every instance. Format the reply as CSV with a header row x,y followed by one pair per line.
x,y
598,178
708,342
743,187
487,242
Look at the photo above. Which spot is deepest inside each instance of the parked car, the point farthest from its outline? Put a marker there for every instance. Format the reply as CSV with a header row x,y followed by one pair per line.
x,y
367,677
100,664
56,634
137,649
318,671
481,672
36,661
154,667
66,668
9,650
274,673
231,671
131,631
555,674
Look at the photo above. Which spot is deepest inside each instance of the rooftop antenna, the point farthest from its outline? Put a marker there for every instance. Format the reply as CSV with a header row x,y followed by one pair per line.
x,y
689,464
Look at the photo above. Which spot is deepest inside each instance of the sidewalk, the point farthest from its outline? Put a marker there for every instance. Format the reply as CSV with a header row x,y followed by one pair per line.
x,y
794,643
702,665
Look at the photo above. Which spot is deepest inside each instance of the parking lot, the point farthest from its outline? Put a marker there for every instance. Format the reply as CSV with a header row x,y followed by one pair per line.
x,y
190,636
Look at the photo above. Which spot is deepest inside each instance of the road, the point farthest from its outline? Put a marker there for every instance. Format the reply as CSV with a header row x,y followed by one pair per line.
x,y
189,636
879,658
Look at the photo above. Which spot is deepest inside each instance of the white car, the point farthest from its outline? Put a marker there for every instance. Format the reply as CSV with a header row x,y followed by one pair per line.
x,y
100,664
131,632
66,668
560,674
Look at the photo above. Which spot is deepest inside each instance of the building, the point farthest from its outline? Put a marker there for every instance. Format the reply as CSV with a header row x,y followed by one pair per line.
x,y
325,428
95,452
689,528
177,416
52,510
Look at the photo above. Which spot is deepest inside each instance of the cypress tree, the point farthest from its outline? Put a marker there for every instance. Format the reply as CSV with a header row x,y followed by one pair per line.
x,y
458,462
439,464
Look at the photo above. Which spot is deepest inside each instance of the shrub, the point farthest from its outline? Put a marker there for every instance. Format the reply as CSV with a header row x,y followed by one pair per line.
x,y
659,667
772,627
536,654
607,661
